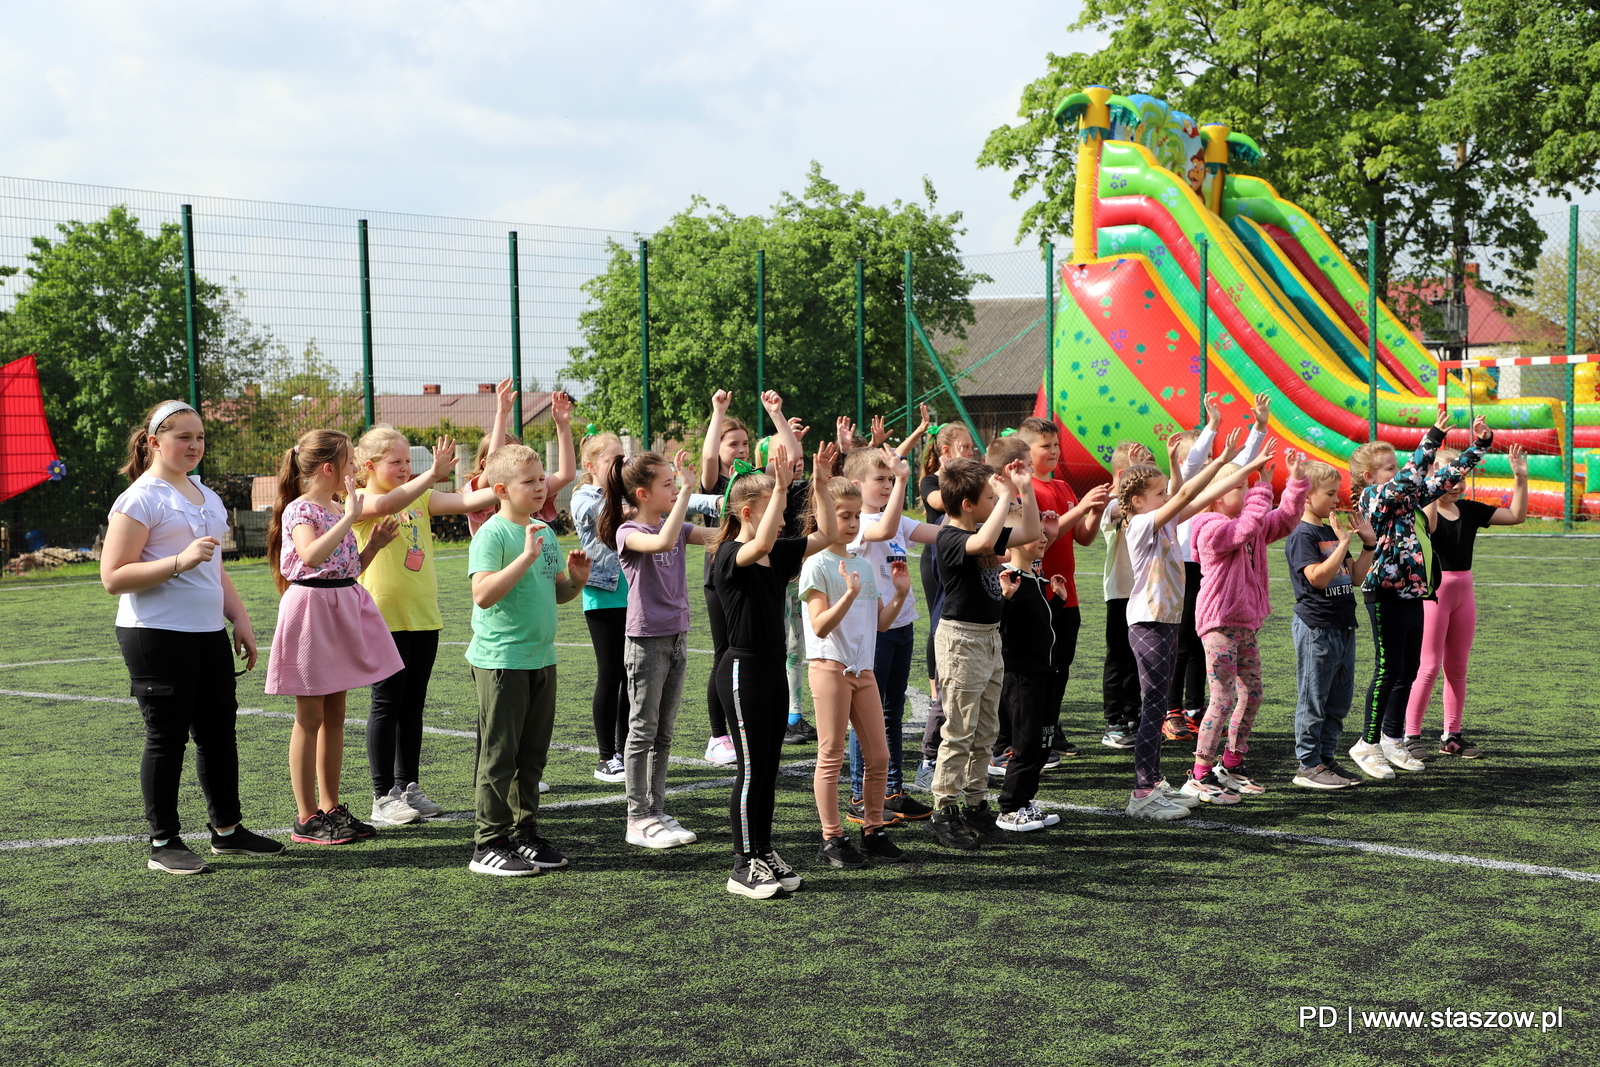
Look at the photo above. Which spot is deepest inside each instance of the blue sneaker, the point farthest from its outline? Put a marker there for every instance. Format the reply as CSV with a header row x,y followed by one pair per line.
x,y
924,779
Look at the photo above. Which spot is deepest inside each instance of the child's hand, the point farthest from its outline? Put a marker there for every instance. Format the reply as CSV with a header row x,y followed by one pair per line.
x,y
1261,410
199,551
1010,582
852,579
244,643
1480,428
880,431
822,466
1098,497
1442,421
578,567
1017,474
1519,461
1058,586
1173,443
1139,454
1264,457
927,418
680,464
719,401
352,500
386,530
900,577
533,541
561,409
1051,523
1230,447
898,467
1295,461
1213,413
844,432
772,403
780,468
505,395
444,457
1364,530
1343,523
798,428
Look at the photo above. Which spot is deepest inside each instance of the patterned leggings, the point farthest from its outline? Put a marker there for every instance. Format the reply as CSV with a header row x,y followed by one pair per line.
x,y
1155,646
1233,667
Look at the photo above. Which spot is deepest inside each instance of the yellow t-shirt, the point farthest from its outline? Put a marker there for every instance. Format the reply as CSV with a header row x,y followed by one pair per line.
x,y
401,578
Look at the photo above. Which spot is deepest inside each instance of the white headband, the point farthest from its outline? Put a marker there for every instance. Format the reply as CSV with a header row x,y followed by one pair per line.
x,y
165,412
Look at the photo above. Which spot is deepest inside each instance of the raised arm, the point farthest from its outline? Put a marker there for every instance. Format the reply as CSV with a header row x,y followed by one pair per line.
x,y
566,457
771,524
1286,516
889,610
909,445
1212,491
1031,524
1180,500
782,429
825,617
672,523
827,531
988,534
401,497
1201,452
710,461
1518,511
888,524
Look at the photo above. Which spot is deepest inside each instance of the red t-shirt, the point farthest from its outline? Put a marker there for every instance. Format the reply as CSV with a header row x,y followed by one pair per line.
x,y
1059,498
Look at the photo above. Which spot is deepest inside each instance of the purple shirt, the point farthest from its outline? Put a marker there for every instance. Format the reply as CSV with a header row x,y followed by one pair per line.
x,y
658,584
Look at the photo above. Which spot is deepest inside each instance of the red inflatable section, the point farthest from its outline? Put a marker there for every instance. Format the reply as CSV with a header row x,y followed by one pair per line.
x,y
26,449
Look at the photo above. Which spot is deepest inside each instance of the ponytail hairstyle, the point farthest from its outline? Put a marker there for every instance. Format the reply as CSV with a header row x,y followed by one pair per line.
x,y
1136,481
948,435
626,477
374,445
838,489
299,463
593,445
1364,460
745,489
139,440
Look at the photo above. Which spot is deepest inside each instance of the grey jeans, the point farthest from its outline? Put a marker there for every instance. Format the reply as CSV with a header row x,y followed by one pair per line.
x,y
1325,671
656,666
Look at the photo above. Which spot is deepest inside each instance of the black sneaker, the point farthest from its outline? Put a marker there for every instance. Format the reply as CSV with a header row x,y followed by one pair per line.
x,y
787,876
879,848
841,852
1059,743
800,733
355,826
999,763
175,857
244,843
905,807
500,858
752,877
322,829
856,812
947,826
539,852
981,821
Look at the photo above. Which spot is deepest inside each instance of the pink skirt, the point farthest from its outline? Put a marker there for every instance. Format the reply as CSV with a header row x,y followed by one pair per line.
x,y
327,641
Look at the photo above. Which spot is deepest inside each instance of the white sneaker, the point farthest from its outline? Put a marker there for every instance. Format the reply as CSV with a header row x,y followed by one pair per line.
x,y
1394,750
1019,821
1157,805
414,796
1177,796
1369,758
1049,818
391,810
685,835
651,833
544,787
719,750
1208,790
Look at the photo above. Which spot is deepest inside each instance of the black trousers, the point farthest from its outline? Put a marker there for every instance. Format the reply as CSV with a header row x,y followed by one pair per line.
x,y
755,692
1119,683
184,685
715,708
1026,708
1066,622
394,726
1397,640
1188,687
609,706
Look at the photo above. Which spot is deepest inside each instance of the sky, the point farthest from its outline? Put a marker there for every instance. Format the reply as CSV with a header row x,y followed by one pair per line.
x,y
604,115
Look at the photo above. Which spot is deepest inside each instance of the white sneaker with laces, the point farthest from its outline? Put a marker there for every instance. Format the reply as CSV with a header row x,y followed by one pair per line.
x,y
1394,750
719,750
390,810
416,798
651,833
1369,758
1156,805
1177,796
610,771
1019,821
684,834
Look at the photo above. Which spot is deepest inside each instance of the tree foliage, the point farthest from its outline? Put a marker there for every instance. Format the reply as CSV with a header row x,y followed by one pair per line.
x,y
1438,119
702,268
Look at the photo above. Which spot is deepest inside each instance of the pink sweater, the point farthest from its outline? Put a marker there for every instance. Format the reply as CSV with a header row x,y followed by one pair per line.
x,y
1232,554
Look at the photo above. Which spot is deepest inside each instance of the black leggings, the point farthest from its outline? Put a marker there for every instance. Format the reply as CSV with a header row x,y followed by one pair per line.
x,y
715,708
1119,684
184,685
1188,688
1397,637
933,600
610,704
755,691
394,726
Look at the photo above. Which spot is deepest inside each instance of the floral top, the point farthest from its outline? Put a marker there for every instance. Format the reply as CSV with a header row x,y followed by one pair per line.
x,y
1399,563
346,559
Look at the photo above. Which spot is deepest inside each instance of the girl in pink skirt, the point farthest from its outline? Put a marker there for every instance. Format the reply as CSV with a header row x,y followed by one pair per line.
x,y
330,636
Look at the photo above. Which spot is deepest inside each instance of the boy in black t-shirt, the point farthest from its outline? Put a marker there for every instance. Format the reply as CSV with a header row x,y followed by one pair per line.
x,y
1324,626
967,646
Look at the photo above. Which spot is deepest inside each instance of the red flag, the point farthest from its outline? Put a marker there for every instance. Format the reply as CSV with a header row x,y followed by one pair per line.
x,y
27,452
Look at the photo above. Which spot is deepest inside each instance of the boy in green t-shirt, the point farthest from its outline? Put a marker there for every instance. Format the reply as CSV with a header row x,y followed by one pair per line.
x,y
517,581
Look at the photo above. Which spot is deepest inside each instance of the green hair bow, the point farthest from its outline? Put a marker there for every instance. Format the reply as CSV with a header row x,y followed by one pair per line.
x,y
1008,431
933,431
740,469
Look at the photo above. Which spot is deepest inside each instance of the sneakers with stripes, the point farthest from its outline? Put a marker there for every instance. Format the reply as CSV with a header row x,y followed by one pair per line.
x,y
1369,758
500,858
539,852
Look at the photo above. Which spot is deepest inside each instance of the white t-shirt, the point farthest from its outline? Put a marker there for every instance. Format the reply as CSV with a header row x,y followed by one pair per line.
x,y
1117,578
191,602
854,642
882,553
1157,593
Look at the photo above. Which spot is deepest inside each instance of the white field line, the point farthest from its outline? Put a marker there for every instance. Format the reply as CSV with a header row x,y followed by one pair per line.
x,y
54,662
797,769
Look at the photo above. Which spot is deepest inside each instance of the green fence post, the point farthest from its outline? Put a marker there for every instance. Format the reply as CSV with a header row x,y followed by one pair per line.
x,y
761,332
1372,330
1205,323
861,344
1570,467
369,406
1050,332
516,342
910,414
644,341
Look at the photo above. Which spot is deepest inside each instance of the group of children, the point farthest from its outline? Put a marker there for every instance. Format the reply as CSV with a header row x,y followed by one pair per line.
x,y
812,570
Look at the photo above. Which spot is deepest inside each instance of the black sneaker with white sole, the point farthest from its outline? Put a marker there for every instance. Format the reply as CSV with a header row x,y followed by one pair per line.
x,y
787,876
500,858
175,857
539,852
841,852
752,877
878,848
241,842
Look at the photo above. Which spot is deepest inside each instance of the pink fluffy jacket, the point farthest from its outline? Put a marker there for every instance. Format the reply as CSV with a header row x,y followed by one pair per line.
x,y
1232,554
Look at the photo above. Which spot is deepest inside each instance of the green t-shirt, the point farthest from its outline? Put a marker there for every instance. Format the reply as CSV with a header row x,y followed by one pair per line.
x,y
594,599
519,632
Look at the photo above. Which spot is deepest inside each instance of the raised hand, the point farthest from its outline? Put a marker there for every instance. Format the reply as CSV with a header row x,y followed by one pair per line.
x,y
720,400
1172,450
1213,413
352,500
505,396
1098,497
444,457
1051,523
800,429
533,540
1058,586
198,551
773,404
1262,410
900,576
1017,474
1010,582
880,431
926,414
844,431
1230,447
1343,523
822,466
680,465
1364,529
780,468
1295,462
852,578
561,409
898,467
386,530
1139,454
1480,428
1519,461
1442,421
578,567
1264,457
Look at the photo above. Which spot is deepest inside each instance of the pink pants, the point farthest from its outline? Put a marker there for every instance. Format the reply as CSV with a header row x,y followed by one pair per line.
x,y
1447,629
841,701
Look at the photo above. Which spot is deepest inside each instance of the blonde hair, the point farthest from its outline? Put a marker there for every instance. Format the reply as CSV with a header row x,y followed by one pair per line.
x,y
506,461
1136,481
1007,450
297,466
1445,456
374,445
1122,456
1365,460
486,448
862,463
593,445
1319,473
839,490
1186,443
139,440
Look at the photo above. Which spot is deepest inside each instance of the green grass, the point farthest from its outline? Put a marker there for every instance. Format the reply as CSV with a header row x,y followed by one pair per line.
x,y
1100,941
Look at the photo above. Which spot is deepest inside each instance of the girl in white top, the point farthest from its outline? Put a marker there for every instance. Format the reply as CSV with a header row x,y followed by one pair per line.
x,y
843,617
161,556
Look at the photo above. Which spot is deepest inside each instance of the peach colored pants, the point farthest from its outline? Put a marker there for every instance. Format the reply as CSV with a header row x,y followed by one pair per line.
x,y
844,700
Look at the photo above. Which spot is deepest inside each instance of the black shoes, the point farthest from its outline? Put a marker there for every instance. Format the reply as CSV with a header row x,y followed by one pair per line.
x,y
539,852
788,878
356,828
242,842
800,733
981,821
948,828
880,849
841,852
175,857
905,807
501,858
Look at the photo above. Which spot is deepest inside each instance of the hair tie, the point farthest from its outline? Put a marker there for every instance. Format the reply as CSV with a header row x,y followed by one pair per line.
x,y
590,430
297,450
740,469
936,427
165,412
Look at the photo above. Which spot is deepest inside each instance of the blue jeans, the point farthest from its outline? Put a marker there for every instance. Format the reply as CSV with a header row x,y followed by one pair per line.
x,y
1325,674
892,667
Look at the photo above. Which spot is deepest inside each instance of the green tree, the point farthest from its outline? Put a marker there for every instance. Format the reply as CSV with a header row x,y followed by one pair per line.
x,y
250,425
1438,119
703,309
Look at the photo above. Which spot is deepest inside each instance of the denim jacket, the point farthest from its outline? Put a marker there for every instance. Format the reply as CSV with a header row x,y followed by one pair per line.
x,y
604,567
1398,563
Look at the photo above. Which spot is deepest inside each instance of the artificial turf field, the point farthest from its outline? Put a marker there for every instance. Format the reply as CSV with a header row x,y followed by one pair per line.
x,y
1098,941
